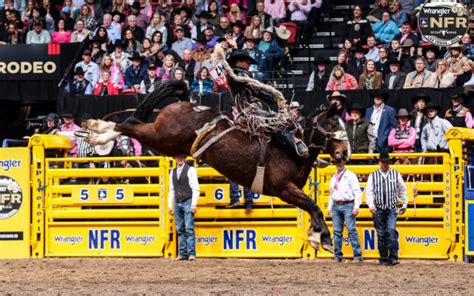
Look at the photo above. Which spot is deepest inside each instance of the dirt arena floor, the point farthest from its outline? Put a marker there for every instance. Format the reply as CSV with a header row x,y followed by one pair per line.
x,y
117,276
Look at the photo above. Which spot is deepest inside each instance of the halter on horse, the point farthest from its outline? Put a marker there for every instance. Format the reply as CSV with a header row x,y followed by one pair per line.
x,y
236,154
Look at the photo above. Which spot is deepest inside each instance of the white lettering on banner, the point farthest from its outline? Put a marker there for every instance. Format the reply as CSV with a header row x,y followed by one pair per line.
x,y
426,241
281,240
37,67
206,240
144,240
7,164
72,240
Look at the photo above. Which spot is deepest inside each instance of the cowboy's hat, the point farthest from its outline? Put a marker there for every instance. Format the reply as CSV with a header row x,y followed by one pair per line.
x,y
433,48
431,105
384,157
105,149
337,95
407,43
358,107
320,60
268,30
421,96
403,113
240,55
456,45
282,32
296,105
381,94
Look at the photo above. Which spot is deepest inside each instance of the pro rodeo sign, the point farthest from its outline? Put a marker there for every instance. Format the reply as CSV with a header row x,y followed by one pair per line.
x,y
30,62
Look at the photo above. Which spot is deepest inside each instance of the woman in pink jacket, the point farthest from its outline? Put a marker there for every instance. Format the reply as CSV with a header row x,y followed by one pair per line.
x,y
340,80
402,138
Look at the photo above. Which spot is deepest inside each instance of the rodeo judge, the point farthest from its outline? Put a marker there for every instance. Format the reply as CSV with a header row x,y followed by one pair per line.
x,y
384,188
344,201
184,194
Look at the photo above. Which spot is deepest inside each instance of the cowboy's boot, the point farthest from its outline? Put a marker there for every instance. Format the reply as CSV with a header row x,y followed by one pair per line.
x,y
302,149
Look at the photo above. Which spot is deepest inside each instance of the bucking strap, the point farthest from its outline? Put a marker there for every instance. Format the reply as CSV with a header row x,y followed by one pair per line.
x,y
212,141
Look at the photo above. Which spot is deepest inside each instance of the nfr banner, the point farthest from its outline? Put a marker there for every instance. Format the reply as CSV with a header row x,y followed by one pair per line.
x,y
30,62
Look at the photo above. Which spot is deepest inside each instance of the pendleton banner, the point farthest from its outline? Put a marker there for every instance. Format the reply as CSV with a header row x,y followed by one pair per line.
x,y
30,62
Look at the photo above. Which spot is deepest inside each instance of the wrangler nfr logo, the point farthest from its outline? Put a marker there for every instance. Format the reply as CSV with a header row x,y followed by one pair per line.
x,y
443,24
10,197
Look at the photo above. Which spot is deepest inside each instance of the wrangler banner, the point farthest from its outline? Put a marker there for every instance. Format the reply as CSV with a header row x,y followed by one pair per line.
x,y
30,62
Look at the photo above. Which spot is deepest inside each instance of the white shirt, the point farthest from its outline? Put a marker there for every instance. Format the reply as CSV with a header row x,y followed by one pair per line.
x,y
347,189
375,118
369,190
193,183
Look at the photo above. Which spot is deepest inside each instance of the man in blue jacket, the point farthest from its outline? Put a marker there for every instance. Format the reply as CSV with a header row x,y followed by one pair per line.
x,y
382,119
273,52
135,73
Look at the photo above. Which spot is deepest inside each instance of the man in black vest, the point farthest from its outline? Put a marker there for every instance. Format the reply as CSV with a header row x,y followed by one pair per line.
x,y
79,85
189,65
459,115
150,83
184,193
384,187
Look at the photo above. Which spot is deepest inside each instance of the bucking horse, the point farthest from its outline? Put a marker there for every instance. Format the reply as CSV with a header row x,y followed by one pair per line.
x,y
180,128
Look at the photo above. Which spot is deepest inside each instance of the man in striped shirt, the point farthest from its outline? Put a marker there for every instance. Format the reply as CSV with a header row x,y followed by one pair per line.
x,y
384,188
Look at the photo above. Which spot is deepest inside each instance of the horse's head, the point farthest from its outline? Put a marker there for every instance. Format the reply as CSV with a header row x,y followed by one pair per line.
x,y
326,130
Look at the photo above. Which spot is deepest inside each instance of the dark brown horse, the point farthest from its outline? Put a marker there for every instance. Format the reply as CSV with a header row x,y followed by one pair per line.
x,y
235,155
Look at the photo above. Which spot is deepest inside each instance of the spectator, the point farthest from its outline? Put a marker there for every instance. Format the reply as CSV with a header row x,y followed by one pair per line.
x,y
300,10
357,129
433,134
214,14
70,9
54,124
407,33
146,48
382,120
102,38
164,72
113,31
49,13
265,18
259,70
276,9
466,76
402,138
386,29
339,100
201,53
25,15
97,52
178,22
235,14
373,52
468,51
13,36
254,29
399,16
119,57
359,28
223,28
151,82
79,85
36,16
115,71
296,113
384,188
408,6
319,78
198,30
157,24
237,39
395,49
96,9
382,65
458,115
190,66
184,194
158,43
131,46
210,38
179,74
341,61
456,59
418,118
181,43
344,202
431,53
90,68
444,78
269,46
406,57
38,35
357,62
138,32
87,18
340,80
370,77
105,87
140,18
68,128
81,33
202,84
348,47
135,73
395,79
376,14
420,77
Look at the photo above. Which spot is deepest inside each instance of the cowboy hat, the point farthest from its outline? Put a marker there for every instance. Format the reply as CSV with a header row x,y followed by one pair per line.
x,y
384,157
251,38
407,43
456,45
394,60
403,113
381,94
240,55
420,96
360,48
358,107
433,48
135,57
320,60
79,71
238,24
203,14
105,149
268,30
67,114
282,32
431,105
296,105
337,95
461,96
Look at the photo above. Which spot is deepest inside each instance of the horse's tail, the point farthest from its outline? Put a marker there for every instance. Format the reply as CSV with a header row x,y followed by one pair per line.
x,y
171,90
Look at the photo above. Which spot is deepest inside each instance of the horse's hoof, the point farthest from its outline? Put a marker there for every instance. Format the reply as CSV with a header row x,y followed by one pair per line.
x,y
314,238
328,248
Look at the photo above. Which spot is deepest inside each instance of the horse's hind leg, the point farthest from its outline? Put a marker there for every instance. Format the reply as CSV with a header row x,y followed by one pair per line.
x,y
318,233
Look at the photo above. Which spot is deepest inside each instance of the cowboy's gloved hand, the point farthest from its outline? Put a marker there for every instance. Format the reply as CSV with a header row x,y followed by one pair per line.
x,y
281,104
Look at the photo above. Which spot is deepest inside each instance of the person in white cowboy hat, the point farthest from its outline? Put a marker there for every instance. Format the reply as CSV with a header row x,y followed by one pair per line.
x,y
270,48
282,32
296,112
456,59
